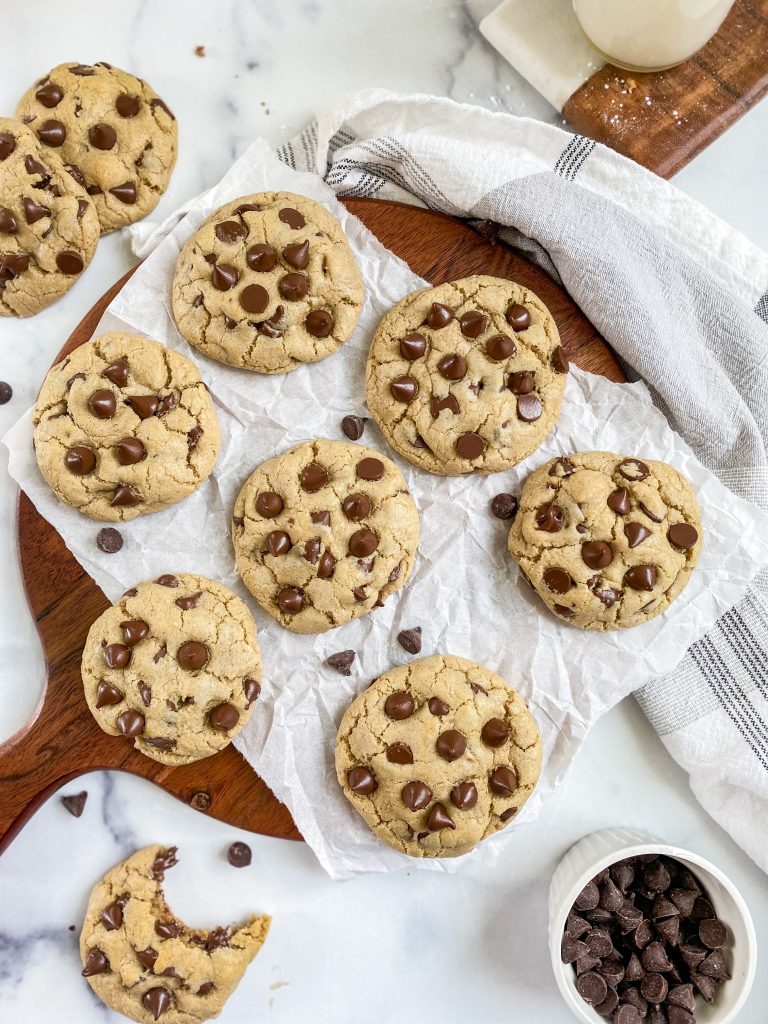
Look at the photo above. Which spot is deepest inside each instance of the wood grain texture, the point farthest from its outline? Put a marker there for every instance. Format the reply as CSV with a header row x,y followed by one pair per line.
x,y
663,120
63,740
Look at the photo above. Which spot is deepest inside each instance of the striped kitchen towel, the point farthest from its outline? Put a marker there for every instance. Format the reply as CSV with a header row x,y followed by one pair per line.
x,y
682,299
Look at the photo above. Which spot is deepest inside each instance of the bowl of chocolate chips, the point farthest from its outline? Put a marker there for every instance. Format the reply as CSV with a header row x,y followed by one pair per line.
x,y
642,932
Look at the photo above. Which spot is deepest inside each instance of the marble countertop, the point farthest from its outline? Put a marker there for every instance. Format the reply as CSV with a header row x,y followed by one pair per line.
x,y
333,945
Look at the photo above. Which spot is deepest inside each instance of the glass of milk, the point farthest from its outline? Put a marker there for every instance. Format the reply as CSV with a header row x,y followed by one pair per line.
x,y
650,35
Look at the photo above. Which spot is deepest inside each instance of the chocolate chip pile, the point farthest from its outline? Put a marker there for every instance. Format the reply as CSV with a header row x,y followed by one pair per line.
x,y
644,940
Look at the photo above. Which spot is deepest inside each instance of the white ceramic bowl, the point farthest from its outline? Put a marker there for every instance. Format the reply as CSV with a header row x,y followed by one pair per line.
x,y
601,849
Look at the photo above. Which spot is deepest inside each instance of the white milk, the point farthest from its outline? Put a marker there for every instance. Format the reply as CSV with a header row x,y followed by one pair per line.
x,y
650,35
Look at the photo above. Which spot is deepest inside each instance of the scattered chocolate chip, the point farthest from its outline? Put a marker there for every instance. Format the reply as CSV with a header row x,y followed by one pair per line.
x,y
239,855
6,392
504,506
353,427
75,803
410,639
341,662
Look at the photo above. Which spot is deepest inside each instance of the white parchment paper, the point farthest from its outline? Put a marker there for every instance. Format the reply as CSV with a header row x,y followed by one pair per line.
x,y
465,592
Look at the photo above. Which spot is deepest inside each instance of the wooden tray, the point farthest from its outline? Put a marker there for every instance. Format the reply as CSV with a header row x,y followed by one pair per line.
x,y
63,740
664,120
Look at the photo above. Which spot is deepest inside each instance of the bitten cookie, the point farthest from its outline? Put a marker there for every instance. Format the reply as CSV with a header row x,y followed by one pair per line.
x,y
145,963
124,427
466,377
324,533
437,755
266,283
606,541
48,225
114,133
174,666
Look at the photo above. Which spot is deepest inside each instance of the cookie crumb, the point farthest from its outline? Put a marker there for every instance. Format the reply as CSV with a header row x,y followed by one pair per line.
x,y
199,51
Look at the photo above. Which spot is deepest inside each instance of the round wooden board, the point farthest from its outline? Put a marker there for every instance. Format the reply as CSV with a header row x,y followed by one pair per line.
x,y
63,740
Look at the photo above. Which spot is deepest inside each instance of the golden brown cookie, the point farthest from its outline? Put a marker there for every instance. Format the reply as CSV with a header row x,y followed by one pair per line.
x,y
437,755
607,541
466,377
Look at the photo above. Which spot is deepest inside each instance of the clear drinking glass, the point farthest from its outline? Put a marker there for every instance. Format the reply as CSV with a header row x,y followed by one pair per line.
x,y
650,35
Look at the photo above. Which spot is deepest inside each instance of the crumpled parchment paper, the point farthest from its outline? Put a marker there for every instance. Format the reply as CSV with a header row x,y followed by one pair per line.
x,y
465,592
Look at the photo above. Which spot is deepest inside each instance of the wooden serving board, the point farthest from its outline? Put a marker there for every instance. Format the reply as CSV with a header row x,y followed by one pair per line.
x,y
663,120
63,740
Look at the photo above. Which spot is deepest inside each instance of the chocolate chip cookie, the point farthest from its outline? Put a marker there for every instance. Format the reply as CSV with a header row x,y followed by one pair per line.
x,y
48,225
115,135
437,755
145,963
266,283
123,427
324,533
466,377
173,666
607,541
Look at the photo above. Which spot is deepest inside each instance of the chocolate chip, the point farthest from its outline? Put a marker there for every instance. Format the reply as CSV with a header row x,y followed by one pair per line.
x,y
502,781
319,323
102,136
362,781
641,577
451,745
439,819
96,961
192,655
399,705
557,580
116,655
130,723
370,469
8,223
453,367
713,933
52,133
269,504
410,639
592,987
363,543
254,298
147,957
129,451
224,717
550,518
327,566
292,218
239,855
529,408
413,346
261,257
144,406
504,506
156,1000
102,404
126,192
596,554
404,389
635,534
522,382
290,600
654,958
7,145
107,694
518,317
33,212
619,502
416,795
112,915
134,630
500,347
80,460
437,707
75,804
450,402
399,753
559,360
495,732
470,445
464,795
69,262
49,94
341,662
439,316
125,497
682,536
353,427
633,469
313,477
278,543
